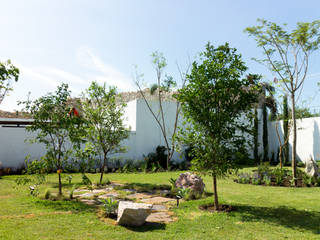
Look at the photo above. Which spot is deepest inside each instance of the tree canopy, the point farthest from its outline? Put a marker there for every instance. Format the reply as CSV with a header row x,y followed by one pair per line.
x,y
8,73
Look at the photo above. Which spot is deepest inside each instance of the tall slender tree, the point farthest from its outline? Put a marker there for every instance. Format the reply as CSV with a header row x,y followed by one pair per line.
x,y
287,55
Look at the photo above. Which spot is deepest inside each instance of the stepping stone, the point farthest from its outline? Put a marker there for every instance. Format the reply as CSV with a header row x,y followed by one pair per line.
x,y
109,195
156,208
98,190
159,217
86,195
140,195
116,185
129,190
88,202
157,200
80,190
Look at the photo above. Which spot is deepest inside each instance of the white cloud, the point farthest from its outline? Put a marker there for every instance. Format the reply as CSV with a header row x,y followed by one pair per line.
x,y
36,74
104,72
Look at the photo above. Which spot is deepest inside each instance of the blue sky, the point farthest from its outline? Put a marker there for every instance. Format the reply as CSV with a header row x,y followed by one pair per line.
x,y
78,41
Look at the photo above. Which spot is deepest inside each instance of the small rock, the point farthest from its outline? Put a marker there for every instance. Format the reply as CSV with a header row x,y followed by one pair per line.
x,y
191,181
133,214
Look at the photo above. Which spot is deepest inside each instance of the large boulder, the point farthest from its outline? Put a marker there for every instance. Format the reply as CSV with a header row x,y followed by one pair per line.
x,y
133,214
191,181
311,168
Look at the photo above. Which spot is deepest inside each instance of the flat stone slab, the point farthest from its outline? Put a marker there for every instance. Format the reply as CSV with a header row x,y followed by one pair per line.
x,y
80,190
129,190
109,195
159,217
133,214
99,190
88,202
157,200
140,195
156,208
86,195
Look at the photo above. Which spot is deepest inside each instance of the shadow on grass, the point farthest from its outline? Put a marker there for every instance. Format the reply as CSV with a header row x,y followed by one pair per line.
x,y
65,205
284,216
148,227
144,187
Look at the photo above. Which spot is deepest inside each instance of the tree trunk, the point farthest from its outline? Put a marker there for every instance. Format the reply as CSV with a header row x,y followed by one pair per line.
x,y
256,136
294,141
103,166
285,130
60,184
216,203
265,134
280,156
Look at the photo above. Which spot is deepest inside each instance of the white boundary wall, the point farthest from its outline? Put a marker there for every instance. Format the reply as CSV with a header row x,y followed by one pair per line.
x,y
144,138
308,138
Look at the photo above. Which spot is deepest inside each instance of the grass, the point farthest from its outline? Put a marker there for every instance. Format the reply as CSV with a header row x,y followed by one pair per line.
x,y
261,213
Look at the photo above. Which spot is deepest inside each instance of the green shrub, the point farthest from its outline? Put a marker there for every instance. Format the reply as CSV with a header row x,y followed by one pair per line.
x,y
267,180
157,159
110,206
182,193
72,191
244,178
256,180
47,194
264,169
86,180
279,174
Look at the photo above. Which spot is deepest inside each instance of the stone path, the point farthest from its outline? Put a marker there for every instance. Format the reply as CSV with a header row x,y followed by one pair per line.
x,y
160,209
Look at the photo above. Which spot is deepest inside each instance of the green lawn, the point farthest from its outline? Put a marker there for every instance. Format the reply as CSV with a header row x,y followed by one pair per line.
x,y
261,213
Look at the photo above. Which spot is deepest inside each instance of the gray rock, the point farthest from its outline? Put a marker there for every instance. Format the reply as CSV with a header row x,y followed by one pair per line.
x,y
133,214
191,181
311,168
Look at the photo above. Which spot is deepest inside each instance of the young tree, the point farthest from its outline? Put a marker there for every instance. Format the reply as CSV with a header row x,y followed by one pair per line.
x,y
287,55
162,89
104,121
8,72
215,102
54,127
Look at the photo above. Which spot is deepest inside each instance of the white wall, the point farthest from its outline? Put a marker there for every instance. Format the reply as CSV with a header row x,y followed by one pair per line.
x,y
145,135
14,148
308,138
